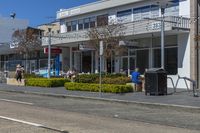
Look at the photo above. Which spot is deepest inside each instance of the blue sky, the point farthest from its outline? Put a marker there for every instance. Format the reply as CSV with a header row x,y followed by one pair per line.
x,y
37,11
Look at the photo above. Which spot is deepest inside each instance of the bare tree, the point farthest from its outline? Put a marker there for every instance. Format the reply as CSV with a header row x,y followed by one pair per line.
x,y
111,33
27,41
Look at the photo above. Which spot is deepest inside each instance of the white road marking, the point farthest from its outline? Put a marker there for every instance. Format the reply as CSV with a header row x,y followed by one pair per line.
x,y
21,121
14,101
32,124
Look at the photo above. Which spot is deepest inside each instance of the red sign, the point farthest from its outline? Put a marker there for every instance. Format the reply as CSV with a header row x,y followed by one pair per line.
x,y
53,50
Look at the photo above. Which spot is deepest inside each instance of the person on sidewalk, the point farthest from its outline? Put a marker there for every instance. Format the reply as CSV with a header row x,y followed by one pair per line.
x,y
136,79
18,73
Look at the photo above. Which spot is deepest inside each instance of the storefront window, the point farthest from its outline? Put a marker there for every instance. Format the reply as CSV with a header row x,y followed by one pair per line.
x,y
170,60
142,60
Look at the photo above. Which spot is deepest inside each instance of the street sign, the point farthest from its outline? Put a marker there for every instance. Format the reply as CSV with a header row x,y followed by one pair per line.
x,y
53,50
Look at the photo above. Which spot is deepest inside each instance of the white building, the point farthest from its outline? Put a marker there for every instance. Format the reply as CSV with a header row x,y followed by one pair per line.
x,y
143,33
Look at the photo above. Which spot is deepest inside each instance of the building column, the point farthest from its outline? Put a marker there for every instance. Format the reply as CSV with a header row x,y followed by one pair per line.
x,y
193,43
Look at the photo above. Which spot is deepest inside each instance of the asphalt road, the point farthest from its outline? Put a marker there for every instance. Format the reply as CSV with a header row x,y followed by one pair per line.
x,y
23,113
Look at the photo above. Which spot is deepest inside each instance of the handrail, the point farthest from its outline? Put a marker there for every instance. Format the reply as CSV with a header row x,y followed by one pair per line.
x,y
172,83
194,85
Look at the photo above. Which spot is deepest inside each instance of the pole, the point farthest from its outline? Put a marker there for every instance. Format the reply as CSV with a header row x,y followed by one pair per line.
x,y
197,33
49,57
162,38
128,62
100,76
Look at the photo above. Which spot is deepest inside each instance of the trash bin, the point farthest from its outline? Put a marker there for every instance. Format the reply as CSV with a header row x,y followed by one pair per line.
x,y
156,82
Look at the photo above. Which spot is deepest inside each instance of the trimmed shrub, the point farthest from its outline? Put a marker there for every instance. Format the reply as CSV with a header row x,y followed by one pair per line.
x,y
106,79
26,75
44,82
117,80
95,87
86,78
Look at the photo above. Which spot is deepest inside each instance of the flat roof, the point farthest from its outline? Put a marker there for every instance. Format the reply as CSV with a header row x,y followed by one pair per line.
x,y
92,7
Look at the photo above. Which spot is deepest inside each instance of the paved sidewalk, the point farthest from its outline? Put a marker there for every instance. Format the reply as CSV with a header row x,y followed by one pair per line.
x,y
180,99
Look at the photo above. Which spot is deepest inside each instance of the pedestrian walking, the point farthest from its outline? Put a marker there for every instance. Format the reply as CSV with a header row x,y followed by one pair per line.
x,y
18,73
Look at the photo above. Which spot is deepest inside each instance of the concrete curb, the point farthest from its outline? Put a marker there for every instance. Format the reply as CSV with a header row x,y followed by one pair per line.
x,y
147,104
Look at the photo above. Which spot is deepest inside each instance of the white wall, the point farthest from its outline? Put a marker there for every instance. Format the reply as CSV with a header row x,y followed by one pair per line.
x,y
183,61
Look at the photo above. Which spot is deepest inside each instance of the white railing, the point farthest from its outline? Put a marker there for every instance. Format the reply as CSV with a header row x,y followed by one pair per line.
x,y
131,28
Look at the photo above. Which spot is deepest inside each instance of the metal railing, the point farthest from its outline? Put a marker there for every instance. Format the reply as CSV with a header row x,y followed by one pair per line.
x,y
172,83
194,85
143,26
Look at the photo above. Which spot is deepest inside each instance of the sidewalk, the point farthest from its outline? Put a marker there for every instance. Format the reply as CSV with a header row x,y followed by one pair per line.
x,y
182,98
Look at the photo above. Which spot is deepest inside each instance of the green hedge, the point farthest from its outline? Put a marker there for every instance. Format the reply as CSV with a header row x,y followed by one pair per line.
x,y
95,87
106,79
117,80
27,75
44,82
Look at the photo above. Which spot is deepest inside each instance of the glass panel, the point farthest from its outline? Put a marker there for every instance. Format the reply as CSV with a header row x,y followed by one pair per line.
x,y
170,60
80,24
74,23
86,23
125,64
124,13
92,22
145,12
142,60
173,9
156,58
132,63
69,26
154,11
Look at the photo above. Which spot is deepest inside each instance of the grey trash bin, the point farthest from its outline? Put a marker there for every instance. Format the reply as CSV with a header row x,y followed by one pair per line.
x,y
156,82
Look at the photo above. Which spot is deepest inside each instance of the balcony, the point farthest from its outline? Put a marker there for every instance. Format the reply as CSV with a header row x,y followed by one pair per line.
x,y
145,26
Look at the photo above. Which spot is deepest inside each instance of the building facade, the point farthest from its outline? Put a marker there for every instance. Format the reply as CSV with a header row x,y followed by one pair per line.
x,y
142,19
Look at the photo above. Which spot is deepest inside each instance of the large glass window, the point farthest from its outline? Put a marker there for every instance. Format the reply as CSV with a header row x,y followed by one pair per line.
x,y
173,9
124,16
92,22
142,59
69,26
145,12
74,24
150,11
86,23
154,11
170,60
80,24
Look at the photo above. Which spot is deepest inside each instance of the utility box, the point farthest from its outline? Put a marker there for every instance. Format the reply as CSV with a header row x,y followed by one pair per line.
x,y
156,82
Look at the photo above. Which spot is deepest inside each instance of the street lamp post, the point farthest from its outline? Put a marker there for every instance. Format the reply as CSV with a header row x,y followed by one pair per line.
x,y
49,54
162,38
100,76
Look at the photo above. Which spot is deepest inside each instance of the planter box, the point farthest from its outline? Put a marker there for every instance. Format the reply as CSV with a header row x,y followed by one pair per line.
x,y
13,81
